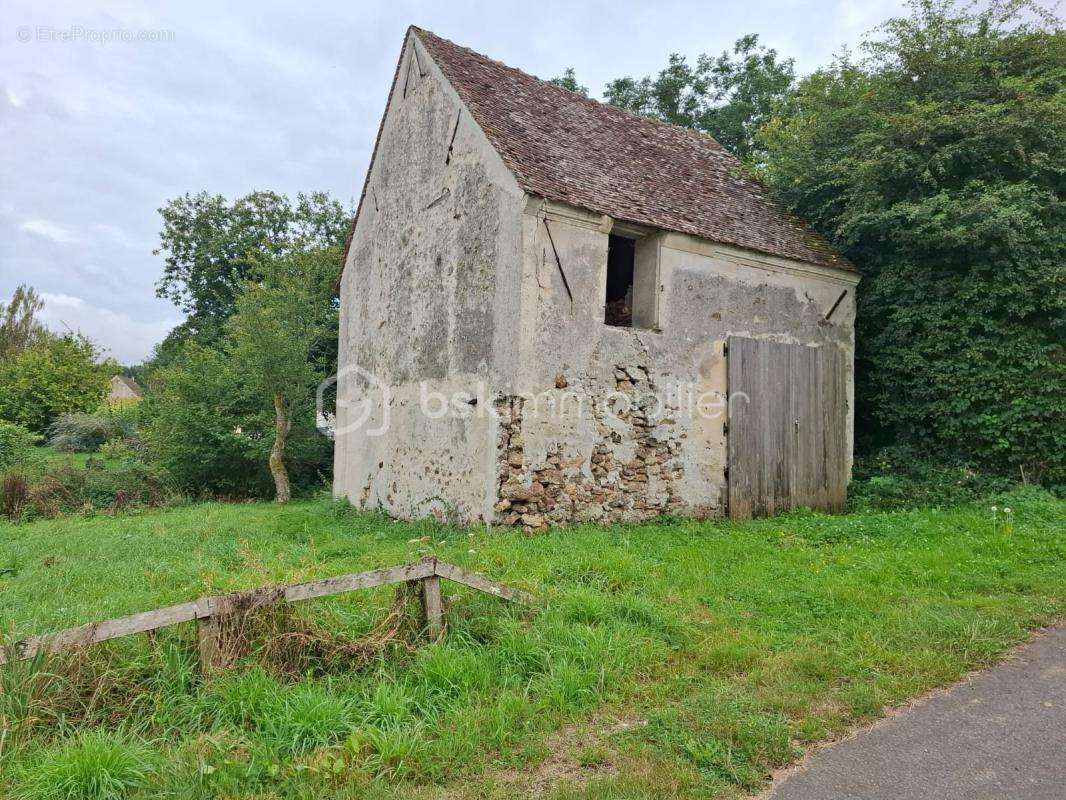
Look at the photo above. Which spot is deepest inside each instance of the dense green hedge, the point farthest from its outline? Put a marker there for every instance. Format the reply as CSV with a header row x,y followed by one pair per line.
x,y
937,166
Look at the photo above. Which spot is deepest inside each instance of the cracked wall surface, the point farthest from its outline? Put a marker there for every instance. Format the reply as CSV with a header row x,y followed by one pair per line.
x,y
427,293
667,452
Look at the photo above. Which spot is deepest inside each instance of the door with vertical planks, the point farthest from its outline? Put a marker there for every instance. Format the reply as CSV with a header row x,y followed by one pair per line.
x,y
787,420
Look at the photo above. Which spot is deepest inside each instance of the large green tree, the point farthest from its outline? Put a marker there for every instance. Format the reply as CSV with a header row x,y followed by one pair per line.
x,y
212,246
937,163
230,395
729,96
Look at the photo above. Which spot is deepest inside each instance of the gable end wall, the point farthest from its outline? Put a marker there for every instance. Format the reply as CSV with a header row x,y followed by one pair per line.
x,y
430,281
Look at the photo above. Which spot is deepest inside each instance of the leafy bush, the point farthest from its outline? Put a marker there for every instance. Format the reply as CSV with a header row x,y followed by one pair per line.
x,y
199,427
212,433
54,375
79,432
17,445
133,483
306,718
935,164
86,433
117,449
14,494
123,416
901,477
65,488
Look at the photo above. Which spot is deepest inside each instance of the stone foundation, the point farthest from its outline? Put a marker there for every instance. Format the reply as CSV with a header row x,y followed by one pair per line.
x,y
627,475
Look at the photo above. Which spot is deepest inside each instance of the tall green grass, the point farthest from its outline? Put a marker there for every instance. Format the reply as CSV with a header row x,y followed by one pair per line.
x,y
91,765
726,647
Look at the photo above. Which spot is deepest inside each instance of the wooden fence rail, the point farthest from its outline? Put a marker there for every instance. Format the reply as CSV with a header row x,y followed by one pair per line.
x,y
209,611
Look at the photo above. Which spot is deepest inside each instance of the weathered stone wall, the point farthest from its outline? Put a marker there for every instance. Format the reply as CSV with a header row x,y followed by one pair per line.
x,y
563,454
428,298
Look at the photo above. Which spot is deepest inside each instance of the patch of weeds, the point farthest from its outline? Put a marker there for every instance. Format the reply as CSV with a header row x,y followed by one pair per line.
x,y
568,687
638,611
389,750
904,477
592,607
450,670
613,573
10,567
585,605
733,655
242,698
389,703
508,720
304,717
593,756
728,740
26,687
94,765
518,655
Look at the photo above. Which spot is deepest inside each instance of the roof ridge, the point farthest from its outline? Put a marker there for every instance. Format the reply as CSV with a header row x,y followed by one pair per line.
x,y
599,104
567,147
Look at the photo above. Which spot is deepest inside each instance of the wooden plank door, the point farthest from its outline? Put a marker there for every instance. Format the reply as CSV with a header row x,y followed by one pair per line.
x,y
787,418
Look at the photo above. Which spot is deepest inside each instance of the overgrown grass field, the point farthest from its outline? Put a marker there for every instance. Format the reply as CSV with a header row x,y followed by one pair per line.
x,y
677,659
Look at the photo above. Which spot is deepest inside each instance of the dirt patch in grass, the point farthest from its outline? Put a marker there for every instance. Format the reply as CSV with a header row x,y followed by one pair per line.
x,y
577,754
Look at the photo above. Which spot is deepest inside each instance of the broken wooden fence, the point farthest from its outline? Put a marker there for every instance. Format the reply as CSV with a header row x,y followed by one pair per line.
x,y
210,612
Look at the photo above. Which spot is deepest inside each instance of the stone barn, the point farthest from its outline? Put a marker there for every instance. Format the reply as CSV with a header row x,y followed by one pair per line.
x,y
553,310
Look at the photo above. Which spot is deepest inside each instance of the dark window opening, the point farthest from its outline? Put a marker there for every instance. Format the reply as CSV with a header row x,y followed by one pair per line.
x,y
618,310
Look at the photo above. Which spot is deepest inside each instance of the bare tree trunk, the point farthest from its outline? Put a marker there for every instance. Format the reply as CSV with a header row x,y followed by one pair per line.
x,y
277,465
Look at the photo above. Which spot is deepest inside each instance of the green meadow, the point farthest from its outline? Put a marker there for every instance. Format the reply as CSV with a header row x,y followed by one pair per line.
x,y
674,659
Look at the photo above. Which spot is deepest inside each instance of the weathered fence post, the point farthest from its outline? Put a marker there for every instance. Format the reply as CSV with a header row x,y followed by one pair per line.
x,y
208,631
222,632
432,606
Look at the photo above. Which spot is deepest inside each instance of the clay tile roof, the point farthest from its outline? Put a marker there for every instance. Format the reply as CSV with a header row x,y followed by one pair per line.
x,y
566,147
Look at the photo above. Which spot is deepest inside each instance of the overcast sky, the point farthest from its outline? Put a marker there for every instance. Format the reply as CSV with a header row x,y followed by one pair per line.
x,y
230,97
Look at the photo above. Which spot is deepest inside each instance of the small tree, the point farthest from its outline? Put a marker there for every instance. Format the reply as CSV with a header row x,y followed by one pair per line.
x,y
204,427
19,327
278,331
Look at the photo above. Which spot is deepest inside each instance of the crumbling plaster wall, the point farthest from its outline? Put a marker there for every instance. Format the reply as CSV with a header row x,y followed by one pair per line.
x,y
428,298
562,456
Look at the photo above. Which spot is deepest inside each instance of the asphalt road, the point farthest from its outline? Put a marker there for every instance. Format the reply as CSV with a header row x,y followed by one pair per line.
x,y
1000,734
